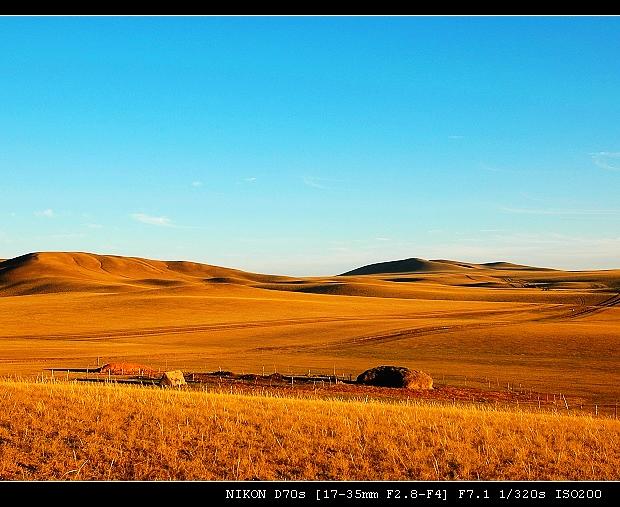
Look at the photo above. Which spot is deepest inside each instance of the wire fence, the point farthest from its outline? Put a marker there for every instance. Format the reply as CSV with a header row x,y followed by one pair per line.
x,y
518,393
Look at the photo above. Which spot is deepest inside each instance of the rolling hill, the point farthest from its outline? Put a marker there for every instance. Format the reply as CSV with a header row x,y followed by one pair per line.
x,y
417,265
50,272
489,275
53,272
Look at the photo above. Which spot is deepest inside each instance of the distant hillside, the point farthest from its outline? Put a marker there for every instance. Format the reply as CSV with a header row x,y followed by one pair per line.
x,y
48,272
417,265
412,265
57,272
510,265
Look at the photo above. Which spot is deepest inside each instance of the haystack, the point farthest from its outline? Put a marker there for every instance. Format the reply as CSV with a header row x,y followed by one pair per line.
x,y
396,376
172,378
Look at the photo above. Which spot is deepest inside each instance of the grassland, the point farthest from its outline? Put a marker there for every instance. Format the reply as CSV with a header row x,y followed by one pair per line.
x,y
550,331
447,318
74,431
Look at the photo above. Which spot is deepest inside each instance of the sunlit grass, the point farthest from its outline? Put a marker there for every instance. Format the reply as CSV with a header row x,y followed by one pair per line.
x,y
76,431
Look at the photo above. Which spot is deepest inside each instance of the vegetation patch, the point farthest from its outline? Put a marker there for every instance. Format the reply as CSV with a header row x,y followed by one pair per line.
x,y
67,431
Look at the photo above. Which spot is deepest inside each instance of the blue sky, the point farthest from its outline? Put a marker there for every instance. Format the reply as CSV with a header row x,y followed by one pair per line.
x,y
311,146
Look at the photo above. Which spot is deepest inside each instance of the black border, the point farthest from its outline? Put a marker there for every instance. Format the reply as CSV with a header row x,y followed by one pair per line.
x,y
466,493
206,492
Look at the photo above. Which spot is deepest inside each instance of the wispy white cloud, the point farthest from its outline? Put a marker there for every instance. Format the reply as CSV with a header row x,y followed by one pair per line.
x,y
94,226
562,212
382,239
65,235
324,183
534,198
250,180
196,184
456,137
607,160
46,213
152,220
492,168
157,221
310,181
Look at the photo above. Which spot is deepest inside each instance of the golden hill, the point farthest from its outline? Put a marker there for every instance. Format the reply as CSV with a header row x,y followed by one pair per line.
x,y
492,274
417,265
48,272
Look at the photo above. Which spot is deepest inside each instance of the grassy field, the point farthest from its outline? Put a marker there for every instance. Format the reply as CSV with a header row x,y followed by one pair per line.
x,y
449,319
546,331
74,431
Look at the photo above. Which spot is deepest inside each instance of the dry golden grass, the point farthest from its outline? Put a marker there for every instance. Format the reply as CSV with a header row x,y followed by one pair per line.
x,y
76,431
